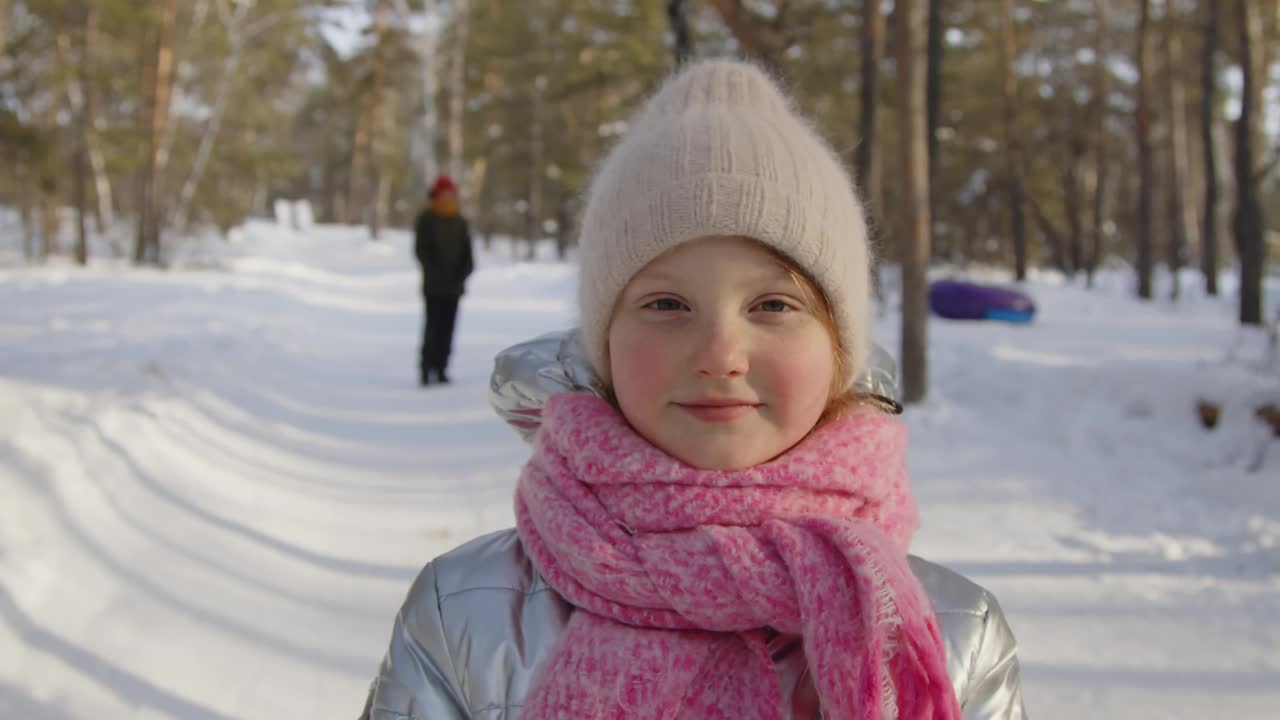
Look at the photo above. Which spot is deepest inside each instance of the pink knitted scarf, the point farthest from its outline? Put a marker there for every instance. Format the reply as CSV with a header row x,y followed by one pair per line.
x,y
676,572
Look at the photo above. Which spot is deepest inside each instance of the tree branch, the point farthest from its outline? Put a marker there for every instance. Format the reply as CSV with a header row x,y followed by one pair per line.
x,y
224,13
265,23
757,36
402,10
238,35
779,18
1057,239
1269,165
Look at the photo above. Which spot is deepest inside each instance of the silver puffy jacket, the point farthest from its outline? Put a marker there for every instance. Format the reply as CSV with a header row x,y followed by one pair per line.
x,y
479,621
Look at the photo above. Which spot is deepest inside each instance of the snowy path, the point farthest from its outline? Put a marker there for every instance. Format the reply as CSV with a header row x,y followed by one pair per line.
x,y
216,485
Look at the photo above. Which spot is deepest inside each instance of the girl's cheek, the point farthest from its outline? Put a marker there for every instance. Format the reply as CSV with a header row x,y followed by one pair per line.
x,y
804,374
637,357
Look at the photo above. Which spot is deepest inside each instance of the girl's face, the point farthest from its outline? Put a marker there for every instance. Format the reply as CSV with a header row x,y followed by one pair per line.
x,y
715,356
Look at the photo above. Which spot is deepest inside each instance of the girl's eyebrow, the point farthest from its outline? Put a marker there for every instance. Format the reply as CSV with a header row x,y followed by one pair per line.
x,y
658,276
775,273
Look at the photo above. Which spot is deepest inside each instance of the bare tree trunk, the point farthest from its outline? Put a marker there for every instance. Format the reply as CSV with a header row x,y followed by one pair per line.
x,y
258,196
156,119
341,209
49,221
1146,160
376,134
933,104
428,49
982,231
181,38
1266,13
382,199
1054,236
50,175
146,117
1248,223
481,190
104,210
678,16
457,93
28,224
1013,141
533,221
353,209
364,143
22,197
758,37
933,84
959,255
382,182
424,143
1182,216
80,93
562,226
1072,179
84,128
375,203
329,194
911,29
1208,101
164,94
867,161
4,23
1097,178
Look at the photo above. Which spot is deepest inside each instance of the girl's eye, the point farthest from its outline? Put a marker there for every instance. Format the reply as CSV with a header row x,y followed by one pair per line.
x,y
665,305
774,306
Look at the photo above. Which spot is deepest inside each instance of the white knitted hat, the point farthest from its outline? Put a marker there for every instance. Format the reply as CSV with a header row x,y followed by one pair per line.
x,y
719,151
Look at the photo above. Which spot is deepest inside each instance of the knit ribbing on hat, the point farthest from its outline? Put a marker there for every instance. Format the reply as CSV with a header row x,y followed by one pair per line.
x,y
719,151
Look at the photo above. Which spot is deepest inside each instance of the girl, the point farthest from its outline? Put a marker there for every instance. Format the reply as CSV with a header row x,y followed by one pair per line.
x,y
721,530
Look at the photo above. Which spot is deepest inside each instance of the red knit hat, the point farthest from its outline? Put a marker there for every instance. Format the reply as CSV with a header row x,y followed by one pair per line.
x,y
442,184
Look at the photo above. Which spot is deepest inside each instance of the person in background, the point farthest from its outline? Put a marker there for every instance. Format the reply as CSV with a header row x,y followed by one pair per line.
x,y
442,243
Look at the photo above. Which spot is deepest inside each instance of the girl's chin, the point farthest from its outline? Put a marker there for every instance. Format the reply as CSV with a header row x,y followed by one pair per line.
x,y
710,458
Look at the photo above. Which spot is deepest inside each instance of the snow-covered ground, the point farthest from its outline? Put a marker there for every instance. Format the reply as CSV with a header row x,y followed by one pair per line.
x,y
217,481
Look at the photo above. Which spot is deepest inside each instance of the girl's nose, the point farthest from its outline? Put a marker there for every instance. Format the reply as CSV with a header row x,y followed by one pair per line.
x,y
719,351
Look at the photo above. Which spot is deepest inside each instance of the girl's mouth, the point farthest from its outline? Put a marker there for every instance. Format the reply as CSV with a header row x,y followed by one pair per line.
x,y
718,411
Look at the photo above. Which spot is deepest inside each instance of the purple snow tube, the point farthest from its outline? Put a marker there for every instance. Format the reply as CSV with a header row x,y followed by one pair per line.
x,y
968,301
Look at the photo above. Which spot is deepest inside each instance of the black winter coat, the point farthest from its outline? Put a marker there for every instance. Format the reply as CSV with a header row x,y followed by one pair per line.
x,y
443,246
